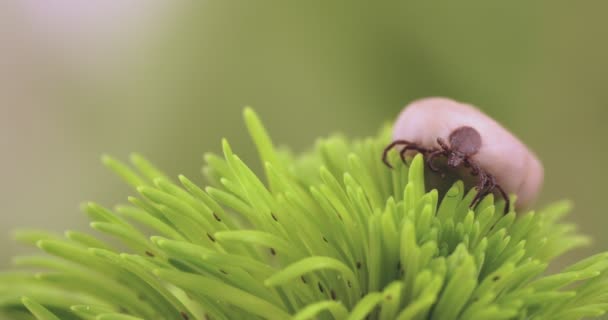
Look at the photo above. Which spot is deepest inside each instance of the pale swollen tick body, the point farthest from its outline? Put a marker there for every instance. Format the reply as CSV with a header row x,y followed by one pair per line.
x,y
467,137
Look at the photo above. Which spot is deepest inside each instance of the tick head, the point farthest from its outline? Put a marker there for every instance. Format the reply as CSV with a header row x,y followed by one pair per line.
x,y
455,159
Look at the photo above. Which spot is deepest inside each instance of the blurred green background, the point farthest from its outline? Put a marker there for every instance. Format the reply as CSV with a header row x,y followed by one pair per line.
x,y
170,80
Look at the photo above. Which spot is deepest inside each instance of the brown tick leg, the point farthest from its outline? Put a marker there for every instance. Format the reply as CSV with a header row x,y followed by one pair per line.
x,y
481,189
506,197
390,147
491,184
443,144
431,157
412,147
485,183
474,167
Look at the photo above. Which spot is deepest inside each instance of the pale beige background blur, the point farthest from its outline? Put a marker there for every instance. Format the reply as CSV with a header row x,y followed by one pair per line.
x,y
78,79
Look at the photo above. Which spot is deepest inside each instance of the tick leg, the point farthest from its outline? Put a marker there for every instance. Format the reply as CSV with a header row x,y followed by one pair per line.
x,y
412,147
487,183
443,144
506,197
474,166
482,188
490,185
390,147
431,157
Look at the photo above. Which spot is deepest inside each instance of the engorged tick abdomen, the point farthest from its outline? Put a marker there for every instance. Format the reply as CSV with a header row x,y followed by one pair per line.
x,y
503,155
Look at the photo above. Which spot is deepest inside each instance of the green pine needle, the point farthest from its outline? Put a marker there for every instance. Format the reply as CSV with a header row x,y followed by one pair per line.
x,y
330,234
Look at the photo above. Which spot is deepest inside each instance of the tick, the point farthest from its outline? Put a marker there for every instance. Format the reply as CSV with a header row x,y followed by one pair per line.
x,y
439,127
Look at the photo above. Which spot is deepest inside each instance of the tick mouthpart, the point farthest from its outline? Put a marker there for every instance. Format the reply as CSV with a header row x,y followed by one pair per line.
x,y
455,160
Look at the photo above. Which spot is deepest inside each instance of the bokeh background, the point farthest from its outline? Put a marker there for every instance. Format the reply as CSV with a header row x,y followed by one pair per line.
x,y
168,79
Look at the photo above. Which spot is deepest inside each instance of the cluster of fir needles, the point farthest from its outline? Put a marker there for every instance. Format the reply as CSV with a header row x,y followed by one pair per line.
x,y
329,234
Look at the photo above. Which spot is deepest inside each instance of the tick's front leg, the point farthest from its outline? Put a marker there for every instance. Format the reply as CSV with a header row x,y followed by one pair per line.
x,y
490,185
475,169
390,147
487,182
414,147
506,197
482,188
408,146
431,157
494,185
